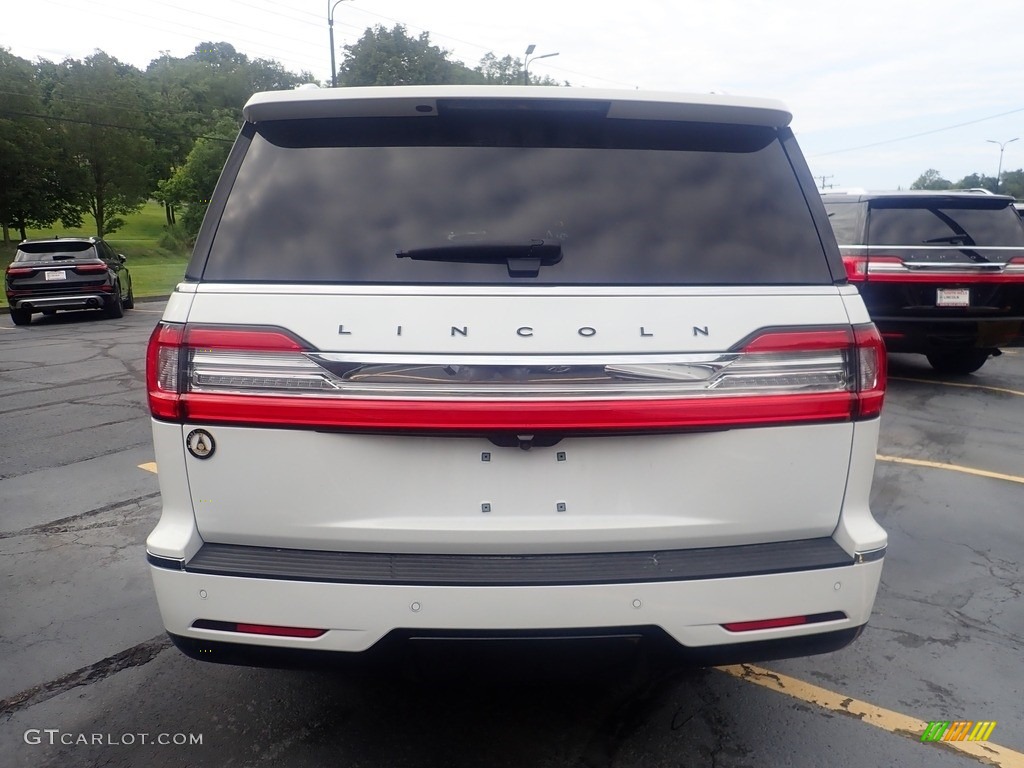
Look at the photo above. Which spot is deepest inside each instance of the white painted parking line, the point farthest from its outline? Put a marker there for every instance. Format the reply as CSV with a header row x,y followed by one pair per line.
x,y
1004,390
886,719
149,311
951,468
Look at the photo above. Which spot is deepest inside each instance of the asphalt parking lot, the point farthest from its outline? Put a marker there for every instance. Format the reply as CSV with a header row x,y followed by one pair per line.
x,y
87,677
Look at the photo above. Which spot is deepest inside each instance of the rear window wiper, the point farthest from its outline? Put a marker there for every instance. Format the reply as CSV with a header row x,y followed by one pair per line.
x,y
522,259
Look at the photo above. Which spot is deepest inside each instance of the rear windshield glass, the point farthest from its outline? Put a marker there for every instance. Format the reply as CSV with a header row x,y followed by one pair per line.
x,y
948,231
626,202
54,251
845,220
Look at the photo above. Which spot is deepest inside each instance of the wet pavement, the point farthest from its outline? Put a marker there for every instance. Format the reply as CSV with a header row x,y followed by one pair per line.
x,y
88,678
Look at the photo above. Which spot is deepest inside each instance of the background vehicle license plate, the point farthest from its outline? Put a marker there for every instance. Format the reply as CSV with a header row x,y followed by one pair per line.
x,y
56,274
953,297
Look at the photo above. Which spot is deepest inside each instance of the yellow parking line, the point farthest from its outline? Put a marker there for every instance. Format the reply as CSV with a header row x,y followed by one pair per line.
x,y
149,466
886,719
1004,390
951,467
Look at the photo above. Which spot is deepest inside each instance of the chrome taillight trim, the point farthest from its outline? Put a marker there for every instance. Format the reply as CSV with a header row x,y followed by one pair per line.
x,y
730,374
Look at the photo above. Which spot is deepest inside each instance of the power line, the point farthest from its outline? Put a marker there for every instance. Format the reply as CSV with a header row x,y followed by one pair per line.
x,y
203,35
918,135
132,129
303,62
486,49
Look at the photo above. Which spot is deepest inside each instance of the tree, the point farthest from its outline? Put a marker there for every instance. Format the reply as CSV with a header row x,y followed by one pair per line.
x,y
191,185
31,190
103,108
193,94
391,57
977,181
1012,183
931,179
503,71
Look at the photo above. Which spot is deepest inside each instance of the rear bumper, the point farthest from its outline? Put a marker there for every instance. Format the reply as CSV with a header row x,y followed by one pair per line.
x,y
690,607
939,334
529,644
73,301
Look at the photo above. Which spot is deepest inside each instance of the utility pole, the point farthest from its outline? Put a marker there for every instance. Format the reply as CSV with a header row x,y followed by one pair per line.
x,y
823,185
330,33
1002,146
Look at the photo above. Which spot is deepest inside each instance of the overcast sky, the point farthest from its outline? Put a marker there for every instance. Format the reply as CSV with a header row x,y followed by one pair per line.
x,y
880,90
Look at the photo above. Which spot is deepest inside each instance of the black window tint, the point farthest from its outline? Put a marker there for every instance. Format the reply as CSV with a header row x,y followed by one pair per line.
x,y
53,251
913,226
845,219
630,202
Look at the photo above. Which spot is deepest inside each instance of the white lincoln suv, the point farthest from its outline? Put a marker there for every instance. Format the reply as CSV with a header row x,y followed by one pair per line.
x,y
508,361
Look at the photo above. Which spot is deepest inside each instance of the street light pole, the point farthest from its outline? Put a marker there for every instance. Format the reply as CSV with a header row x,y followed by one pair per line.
x,y
526,68
330,32
1002,146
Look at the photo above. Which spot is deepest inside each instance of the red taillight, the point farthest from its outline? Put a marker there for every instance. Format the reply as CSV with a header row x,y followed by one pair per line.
x,y
871,372
879,268
268,377
19,271
800,341
83,269
858,268
260,340
168,352
162,371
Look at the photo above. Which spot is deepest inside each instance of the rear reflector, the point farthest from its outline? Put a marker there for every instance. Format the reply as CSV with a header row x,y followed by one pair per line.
x,y
268,377
258,629
266,629
786,621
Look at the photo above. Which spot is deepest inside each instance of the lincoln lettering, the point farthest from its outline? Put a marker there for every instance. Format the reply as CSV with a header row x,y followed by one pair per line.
x,y
527,331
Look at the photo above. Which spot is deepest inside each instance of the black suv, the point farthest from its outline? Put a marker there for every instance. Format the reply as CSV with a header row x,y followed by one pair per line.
x,y
942,273
67,273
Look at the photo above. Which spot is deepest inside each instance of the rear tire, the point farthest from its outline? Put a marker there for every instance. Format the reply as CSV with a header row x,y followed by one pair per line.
x,y
963,361
115,307
21,316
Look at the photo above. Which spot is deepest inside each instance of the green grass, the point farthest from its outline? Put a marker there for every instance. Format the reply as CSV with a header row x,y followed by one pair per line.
x,y
155,270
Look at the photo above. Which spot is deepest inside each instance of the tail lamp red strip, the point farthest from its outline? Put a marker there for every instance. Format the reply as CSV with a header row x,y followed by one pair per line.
x,y
859,270
170,400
